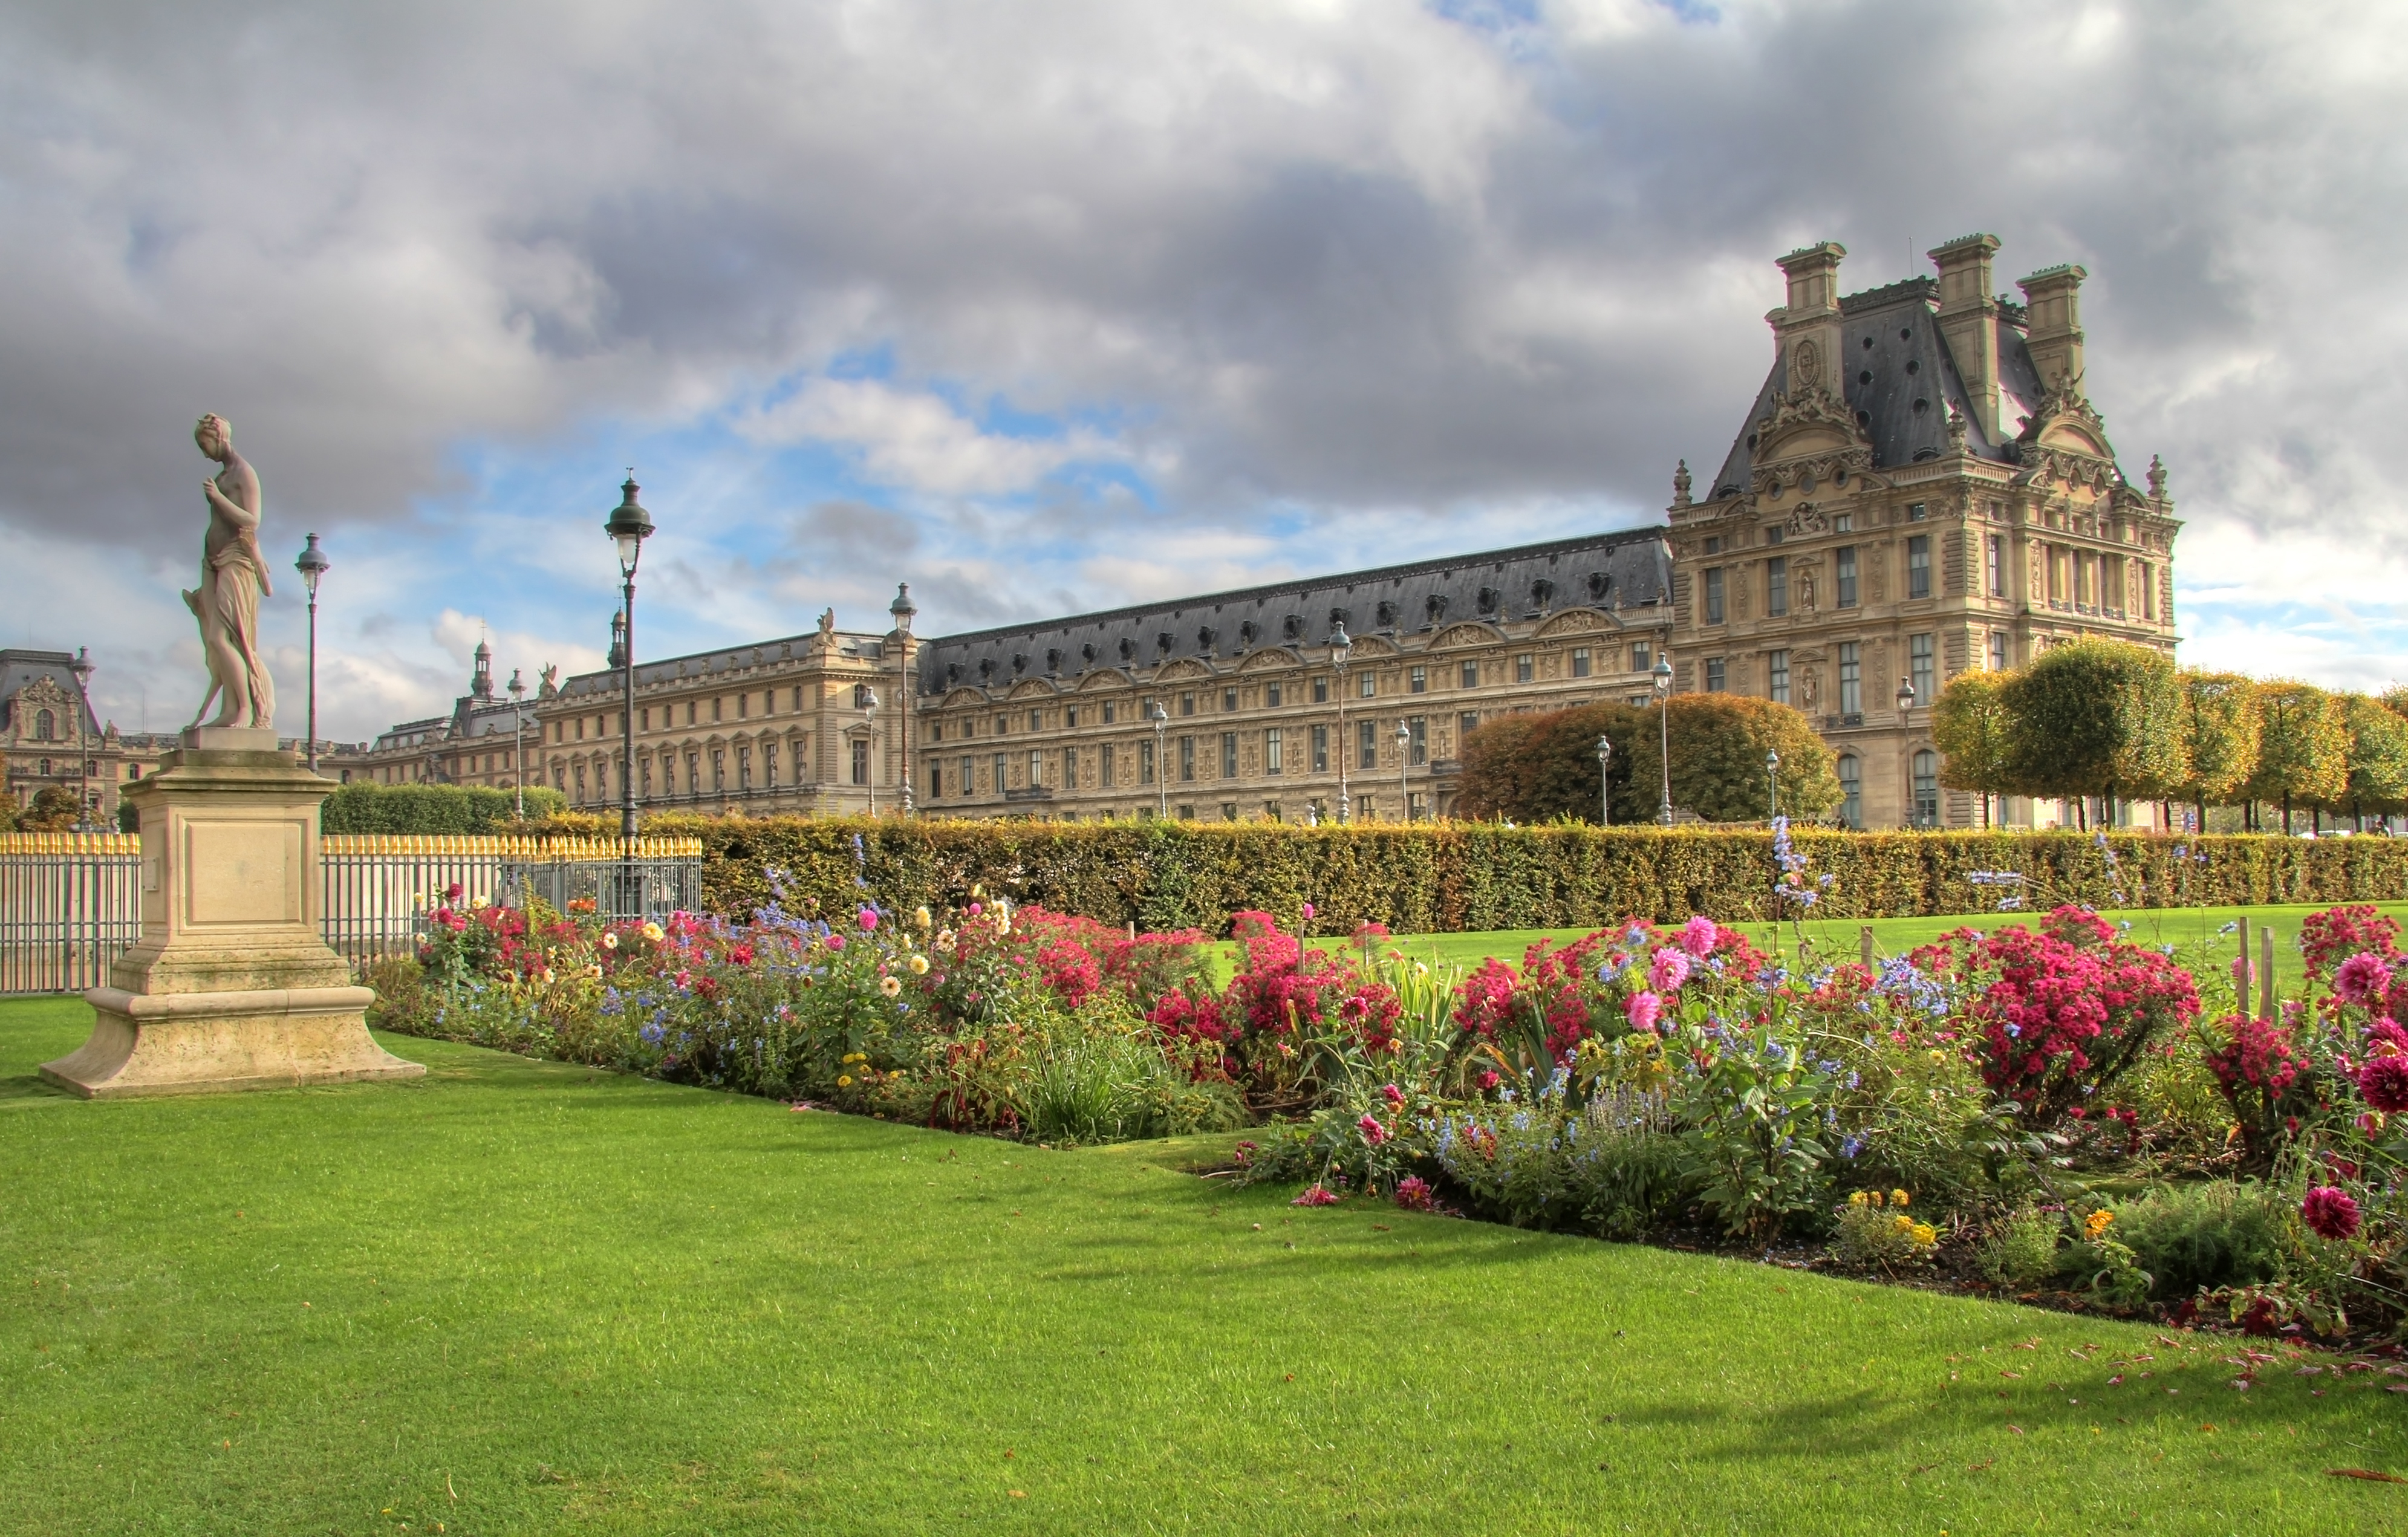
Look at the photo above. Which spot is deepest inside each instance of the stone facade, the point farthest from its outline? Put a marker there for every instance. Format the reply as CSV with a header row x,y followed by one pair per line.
x,y
48,736
477,743
1921,487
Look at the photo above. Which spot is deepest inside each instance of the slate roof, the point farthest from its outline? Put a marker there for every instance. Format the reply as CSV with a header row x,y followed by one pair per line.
x,y
18,667
1628,569
1896,358
699,664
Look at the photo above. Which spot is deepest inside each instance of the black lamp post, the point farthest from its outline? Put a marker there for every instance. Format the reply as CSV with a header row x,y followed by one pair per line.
x,y
1341,647
1662,672
1773,781
312,565
1161,718
1404,789
1905,710
518,750
628,527
903,608
82,668
1604,783
869,703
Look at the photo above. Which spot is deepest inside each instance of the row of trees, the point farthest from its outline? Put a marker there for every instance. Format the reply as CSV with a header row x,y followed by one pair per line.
x,y
2109,720
1543,768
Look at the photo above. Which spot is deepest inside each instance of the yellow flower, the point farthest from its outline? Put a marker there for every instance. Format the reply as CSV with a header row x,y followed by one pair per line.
x,y
890,985
978,890
1903,1224
844,1081
610,941
1926,1234
1897,1197
856,1057
945,940
479,904
1859,1198
2098,1222
919,965
652,932
920,917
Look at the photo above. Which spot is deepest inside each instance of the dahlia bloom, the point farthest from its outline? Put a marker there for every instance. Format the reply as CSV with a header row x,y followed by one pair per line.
x,y
2361,980
1697,936
2383,1084
2329,1212
1316,1194
1670,969
1643,1011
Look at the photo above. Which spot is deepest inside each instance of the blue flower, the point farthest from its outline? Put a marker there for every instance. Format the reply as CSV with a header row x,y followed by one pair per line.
x,y
651,1034
1852,1147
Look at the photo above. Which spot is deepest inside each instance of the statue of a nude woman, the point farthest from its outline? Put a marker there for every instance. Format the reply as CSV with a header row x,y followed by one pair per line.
x,y
234,579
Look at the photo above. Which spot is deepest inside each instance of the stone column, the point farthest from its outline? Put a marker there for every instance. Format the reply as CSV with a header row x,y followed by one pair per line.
x,y
232,986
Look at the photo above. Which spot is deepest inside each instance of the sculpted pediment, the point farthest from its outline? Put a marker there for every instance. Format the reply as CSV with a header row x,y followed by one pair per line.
x,y
1466,635
1185,668
1105,678
1271,659
965,696
1573,620
1031,688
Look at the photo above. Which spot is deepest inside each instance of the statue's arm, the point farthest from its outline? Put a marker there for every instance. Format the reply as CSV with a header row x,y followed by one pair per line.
x,y
242,517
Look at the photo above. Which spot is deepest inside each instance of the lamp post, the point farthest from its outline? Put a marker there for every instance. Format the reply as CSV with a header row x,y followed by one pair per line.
x,y
518,750
903,608
1905,710
312,563
1773,782
1604,784
82,668
1404,791
628,527
1161,718
1662,672
869,703
1341,648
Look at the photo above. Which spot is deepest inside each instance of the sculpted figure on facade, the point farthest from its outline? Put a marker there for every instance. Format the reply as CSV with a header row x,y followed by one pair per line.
x,y
233,578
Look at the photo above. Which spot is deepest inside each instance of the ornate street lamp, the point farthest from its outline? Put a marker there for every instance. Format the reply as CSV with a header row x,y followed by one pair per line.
x,y
1905,712
312,563
1404,792
1161,718
1662,672
1604,784
1905,697
869,703
82,668
628,527
903,608
518,752
1773,781
1341,648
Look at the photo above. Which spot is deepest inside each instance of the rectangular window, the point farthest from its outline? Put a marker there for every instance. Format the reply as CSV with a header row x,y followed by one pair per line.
x,y
745,706
969,776
860,763
1367,744
1320,691
1580,661
1852,792
1852,694
744,768
1037,720
1919,668
1844,563
1996,567
1714,595
719,769
1371,685
1715,675
1228,701
1035,770
1526,667
1417,681
2148,591
1713,545
1112,712
1465,724
1918,566
644,718
1145,763
1273,695
770,763
1470,675
715,703
1274,762
1916,512
1104,768
1844,523
1776,586
1187,757
935,730
1002,724
1320,745
1998,651
1417,743
1641,659
1002,775
1070,716
1187,704
1772,535
1228,755
936,778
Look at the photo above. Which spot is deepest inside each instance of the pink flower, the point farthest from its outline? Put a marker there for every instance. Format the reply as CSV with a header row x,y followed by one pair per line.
x,y
1670,969
1414,1195
1490,1080
1308,911
1317,1194
1396,1095
2331,1213
1697,936
2383,1083
869,919
1373,1132
2361,980
1643,1011
451,892
835,942
977,908
2241,974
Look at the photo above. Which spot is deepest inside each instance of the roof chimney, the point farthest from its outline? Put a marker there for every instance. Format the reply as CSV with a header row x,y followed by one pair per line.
x,y
1968,322
2054,337
1812,316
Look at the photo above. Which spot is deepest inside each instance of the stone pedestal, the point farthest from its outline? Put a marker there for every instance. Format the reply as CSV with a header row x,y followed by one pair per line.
x,y
232,986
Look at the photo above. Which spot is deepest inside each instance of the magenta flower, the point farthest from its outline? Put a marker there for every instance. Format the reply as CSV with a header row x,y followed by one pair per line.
x,y
2361,980
2331,1213
869,919
1373,1132
1697,936
1490,1080
1308,911
1395,1095
1670,969
835,942
2383,1083
1413,1193
1643,1011
1317,1194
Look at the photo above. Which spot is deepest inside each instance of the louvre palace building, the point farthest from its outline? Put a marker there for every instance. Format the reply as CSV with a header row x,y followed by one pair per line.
x,y
1920,486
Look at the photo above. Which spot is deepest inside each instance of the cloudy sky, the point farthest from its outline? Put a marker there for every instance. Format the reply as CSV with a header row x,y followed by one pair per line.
x,y
1062,303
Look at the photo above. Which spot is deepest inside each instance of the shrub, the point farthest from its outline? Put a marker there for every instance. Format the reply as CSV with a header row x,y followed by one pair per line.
x,y
365,807
1876,1232
2216,1233
2022,1251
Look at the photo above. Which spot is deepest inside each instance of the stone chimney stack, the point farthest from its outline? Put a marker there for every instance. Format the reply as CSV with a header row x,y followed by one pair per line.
x,y
2055,335
1968,322
1806,328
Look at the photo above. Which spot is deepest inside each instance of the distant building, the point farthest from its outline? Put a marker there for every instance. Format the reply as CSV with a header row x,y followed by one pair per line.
x,y
476,744
50,736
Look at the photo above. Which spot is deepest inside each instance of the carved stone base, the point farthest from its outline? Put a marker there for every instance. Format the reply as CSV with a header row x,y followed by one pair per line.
x,y
219,1042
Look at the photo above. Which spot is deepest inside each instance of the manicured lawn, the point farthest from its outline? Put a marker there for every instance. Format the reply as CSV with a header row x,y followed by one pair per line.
x,y
522,1298
1836,939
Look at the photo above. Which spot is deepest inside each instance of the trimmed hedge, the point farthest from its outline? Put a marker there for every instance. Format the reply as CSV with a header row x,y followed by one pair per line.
x,y
1471,876
432,808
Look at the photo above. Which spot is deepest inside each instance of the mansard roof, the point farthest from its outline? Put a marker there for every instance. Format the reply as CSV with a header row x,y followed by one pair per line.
x,y
850,645
19,668
1894,358
1626,570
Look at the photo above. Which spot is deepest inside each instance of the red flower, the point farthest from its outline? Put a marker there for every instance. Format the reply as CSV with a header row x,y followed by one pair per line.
x,y
2383,1083
1317,1194
1414,1194
2329,1212
1373,1132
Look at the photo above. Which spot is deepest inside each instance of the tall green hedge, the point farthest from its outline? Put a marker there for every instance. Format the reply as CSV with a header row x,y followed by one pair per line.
x,y
1482,876
431,809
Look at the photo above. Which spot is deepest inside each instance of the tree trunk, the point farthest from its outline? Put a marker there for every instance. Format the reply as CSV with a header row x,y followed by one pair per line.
x,y
2286,814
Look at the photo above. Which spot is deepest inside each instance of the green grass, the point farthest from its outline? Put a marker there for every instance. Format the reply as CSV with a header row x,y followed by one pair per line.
x,y
522,1297
1836,939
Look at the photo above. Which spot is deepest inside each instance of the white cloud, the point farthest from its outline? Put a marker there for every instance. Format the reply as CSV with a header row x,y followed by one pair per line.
x,y
915,442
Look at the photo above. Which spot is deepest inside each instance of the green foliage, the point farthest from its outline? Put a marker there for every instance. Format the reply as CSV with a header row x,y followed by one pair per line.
x,y
2214,1233
1974,733
2376,760
1458,876
1873,1236
1104,1078
1545,768
2023,1250
1719,743
2304,746
9,813
2220,731
365,807
2095,718
55,809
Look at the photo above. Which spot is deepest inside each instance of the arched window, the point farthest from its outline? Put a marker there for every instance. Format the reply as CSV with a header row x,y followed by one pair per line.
x,y
46,727
1926,788
1851,796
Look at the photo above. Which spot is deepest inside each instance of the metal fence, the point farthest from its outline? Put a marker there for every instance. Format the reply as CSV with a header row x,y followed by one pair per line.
x,y
71,902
